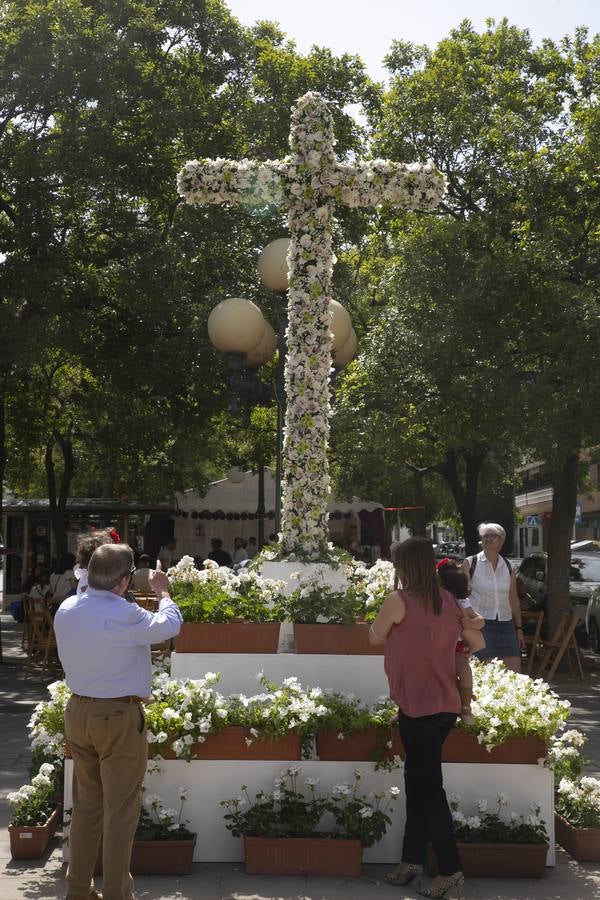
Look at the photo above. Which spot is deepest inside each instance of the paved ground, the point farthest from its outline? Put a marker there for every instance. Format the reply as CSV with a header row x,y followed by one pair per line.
x,y
44,880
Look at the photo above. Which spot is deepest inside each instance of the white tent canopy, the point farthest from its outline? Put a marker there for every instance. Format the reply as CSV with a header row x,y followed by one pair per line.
x,y
228,510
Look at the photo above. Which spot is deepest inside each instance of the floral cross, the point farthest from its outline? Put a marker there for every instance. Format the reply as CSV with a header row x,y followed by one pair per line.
x,y
309,182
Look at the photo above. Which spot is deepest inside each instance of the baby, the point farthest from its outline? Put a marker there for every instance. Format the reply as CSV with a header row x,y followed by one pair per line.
x,y
455,580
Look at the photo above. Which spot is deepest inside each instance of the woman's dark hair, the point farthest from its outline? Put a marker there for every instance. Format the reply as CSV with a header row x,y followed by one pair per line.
x,y
67,561
454,579
414,561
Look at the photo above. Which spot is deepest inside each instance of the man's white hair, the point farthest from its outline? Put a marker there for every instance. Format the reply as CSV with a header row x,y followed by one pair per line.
x,y
491,528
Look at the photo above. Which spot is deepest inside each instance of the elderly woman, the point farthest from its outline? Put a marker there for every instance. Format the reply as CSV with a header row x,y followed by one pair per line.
x,y
494,596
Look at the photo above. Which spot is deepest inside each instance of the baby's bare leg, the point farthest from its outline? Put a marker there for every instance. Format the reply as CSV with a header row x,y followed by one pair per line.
x,y
465,686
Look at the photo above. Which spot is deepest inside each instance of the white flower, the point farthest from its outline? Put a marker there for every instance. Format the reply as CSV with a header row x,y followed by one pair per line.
x,y
365,812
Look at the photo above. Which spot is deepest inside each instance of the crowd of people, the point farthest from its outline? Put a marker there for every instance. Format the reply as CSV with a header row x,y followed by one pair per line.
x,y
54,586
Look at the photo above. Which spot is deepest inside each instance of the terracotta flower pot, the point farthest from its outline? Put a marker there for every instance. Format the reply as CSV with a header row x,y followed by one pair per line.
x,y
302,856
158,857
335,639
497,860
230,743
361,745
228,637
582,843
462,747
30,841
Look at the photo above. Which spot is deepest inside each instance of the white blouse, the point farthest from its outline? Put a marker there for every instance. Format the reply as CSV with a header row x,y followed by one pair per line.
x,y
490,590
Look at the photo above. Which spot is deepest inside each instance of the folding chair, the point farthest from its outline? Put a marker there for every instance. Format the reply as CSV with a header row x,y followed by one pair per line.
x,y
562,641
146,601
533,641
27,636
44,639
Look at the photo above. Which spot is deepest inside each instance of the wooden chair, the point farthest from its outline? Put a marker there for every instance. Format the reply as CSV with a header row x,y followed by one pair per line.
x,y
562,641
533,641
27,636
146,601
43,637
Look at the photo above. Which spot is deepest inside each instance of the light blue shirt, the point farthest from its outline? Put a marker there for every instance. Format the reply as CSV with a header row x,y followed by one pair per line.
x,y
104,642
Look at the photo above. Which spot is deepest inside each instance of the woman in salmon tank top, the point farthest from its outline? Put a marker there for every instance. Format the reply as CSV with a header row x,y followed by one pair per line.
x,y
420,624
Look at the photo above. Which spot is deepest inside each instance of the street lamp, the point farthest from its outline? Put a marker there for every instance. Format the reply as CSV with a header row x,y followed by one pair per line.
x,y
237,327
273,271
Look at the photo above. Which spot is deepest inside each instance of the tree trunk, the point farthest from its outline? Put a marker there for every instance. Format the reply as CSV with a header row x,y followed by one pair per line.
x,y
465,496
2,447
58,502
560,533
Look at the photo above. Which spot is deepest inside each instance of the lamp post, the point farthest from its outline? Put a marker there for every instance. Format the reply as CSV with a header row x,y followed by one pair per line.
x,y
237,327
273,271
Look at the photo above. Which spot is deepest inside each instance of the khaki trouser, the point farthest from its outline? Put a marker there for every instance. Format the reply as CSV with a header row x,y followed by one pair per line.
x,y
110,753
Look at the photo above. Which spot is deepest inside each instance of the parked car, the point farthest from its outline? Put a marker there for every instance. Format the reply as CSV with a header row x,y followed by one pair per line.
x,y
584,579
592,621
585,546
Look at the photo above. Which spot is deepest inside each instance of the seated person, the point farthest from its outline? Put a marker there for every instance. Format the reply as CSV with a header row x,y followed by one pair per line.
x,y
41,589
63,583
218,555
239,550
168,554
31,578
140,582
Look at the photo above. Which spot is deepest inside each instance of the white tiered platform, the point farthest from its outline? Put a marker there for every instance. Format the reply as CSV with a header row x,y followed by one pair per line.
x,y
211,781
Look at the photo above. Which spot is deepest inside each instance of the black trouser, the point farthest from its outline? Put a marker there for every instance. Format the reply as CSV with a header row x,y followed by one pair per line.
x,y
428,816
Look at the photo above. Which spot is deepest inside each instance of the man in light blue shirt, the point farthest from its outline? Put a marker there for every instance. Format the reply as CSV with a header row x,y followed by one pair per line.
x,y
104,646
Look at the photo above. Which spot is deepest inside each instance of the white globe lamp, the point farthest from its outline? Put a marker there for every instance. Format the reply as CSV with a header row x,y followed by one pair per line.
x,y
264,351
273,267
236,325
341,325
346,353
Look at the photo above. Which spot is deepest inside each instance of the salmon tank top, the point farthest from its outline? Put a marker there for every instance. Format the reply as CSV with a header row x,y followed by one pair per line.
x,y
419,658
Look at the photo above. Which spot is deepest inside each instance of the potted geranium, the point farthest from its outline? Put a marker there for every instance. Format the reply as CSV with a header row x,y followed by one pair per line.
x,y
496,845
190,720
223,612
515,718
163,844
34,814
328,619
353,730
374,583
290,831
279,722
577,817
566,757
182,715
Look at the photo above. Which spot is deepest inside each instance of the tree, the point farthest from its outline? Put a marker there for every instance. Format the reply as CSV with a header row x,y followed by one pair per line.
x,y
101,103
501,293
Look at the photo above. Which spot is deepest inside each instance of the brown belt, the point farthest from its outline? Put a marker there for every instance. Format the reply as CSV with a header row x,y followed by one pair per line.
x,y
130,698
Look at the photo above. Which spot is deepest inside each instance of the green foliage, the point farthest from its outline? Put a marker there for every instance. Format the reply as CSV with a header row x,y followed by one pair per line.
x,y
210,601
104,274
317,602
479,317
347,714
